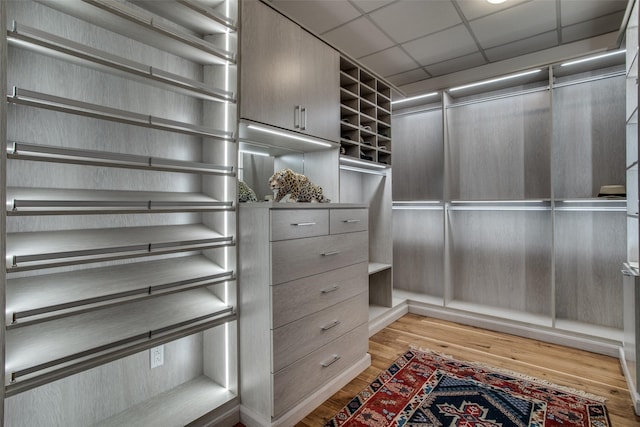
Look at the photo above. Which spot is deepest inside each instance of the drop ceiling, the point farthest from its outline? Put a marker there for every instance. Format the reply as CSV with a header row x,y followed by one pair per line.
x,y
414,41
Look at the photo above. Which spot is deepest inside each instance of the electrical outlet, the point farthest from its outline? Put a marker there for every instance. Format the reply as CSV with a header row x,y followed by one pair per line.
x,y
156,356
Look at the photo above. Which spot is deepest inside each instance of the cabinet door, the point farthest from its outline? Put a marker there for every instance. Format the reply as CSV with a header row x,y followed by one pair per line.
x,y
320,88
269,66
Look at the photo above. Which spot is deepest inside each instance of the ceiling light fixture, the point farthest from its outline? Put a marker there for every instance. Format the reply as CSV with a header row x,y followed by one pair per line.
x,y
413,98
496,1
287,135
499,79
593,58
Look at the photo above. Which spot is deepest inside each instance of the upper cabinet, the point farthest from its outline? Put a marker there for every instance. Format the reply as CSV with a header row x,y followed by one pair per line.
x,y
288,76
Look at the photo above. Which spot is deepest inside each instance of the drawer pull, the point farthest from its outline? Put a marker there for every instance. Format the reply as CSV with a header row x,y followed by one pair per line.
x,y
333,360
331,325
304,224
331,289
330,253
351,221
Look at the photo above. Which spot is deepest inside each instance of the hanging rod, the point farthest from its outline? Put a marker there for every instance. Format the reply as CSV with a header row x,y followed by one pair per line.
x,y
71,106
48,153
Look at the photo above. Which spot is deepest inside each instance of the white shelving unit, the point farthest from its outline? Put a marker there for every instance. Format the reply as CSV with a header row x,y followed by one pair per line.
x,y
120,221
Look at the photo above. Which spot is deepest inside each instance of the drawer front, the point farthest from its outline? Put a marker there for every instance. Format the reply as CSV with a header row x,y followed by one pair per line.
x,y
298,223
295,382
294,259
297,339
348,220
293,300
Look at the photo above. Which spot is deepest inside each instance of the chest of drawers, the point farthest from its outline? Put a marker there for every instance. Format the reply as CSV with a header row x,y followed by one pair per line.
x,y
303,305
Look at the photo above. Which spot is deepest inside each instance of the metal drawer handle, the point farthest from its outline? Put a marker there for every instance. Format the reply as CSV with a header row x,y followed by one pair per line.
x,y
330,253
303,224
331,289
331,362
351,221
331,325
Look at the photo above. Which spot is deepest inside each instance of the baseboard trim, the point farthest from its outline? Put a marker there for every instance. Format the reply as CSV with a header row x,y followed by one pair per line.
x,y
379,323
635,397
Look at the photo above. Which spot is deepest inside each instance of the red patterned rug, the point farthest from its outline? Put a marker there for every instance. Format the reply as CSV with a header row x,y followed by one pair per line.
x,y
429,389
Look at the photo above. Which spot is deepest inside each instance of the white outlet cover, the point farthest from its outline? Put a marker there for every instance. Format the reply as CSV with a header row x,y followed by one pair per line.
x,y
156,356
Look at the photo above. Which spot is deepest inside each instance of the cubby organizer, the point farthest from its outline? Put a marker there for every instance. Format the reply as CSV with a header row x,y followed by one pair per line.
x,y
365,113
120,222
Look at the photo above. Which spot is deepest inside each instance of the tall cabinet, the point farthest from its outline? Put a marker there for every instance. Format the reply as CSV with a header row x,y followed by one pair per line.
x,y
119,229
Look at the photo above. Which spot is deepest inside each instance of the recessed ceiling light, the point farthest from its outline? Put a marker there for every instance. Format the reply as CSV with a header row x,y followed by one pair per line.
x,y
496,1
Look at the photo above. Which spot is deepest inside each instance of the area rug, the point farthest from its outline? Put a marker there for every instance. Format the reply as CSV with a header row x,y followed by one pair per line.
x,y
423,388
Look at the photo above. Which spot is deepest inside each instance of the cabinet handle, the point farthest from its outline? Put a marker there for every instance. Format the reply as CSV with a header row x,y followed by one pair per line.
x,y
333,360
303,118
296,116
330,253
331,289
331,325
351,221
303,224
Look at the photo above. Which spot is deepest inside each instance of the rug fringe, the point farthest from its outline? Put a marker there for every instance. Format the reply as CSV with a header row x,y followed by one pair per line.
x,y
515,374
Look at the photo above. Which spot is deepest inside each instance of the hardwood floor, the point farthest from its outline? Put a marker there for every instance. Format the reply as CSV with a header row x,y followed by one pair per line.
x,y
594,373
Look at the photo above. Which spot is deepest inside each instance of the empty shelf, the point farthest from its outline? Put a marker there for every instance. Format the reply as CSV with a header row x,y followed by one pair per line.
x,y
68,50
190,14
43,352
71,106
35,250
48,153
45,297
118,17
50,201
375,267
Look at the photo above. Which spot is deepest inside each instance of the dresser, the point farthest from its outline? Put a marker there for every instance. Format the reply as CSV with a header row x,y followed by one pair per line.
x,y
303,305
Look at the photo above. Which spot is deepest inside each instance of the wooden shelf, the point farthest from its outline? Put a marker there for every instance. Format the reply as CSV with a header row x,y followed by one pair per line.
x,y
46,297
36,250
47,153
376,267
54,201
135,24
25,37
194,15
37,354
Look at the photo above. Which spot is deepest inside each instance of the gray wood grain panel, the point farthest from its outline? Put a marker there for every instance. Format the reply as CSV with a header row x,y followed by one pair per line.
x,y
589,137
348,220
418,144
502,259
590,247
418,242
296,224
3,195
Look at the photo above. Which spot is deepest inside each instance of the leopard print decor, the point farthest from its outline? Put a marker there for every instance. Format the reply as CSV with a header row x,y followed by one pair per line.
x,y
300,188
245,193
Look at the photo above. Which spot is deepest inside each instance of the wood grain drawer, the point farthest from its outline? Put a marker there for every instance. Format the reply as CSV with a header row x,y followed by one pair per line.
x,y
348,220
299,223
297,339
298,380
293,259
293,300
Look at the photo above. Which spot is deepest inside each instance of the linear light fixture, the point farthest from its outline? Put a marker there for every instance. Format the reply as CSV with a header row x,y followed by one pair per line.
x,y
287,135
499,79
413,98
593,58
254,153
363,170
361,163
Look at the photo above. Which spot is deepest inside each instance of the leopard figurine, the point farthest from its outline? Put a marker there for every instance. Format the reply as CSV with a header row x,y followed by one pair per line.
x,y
245,193
300,188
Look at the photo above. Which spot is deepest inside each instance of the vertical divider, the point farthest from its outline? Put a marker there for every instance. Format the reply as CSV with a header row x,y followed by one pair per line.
x,y
553,202
447,294
3,193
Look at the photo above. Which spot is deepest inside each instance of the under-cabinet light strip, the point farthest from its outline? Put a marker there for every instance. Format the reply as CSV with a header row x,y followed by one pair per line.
x,y
592,58
254,153
361,163
362,170
499,79
288,135
413,98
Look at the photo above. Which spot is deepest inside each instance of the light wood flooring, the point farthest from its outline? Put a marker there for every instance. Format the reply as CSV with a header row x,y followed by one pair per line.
x,y
594,373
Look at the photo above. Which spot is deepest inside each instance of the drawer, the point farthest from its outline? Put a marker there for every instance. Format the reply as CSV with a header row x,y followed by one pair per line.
x,y
294,259
292,300
295,382
297,339
298,223
348,220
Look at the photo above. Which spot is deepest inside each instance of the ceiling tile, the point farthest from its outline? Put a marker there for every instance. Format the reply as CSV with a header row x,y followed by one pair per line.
x,y
408,77
574,11
369,5
516,23
445,45
522,47
458,64
388,62
358,38
410,19
592,28
473,9
318,15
